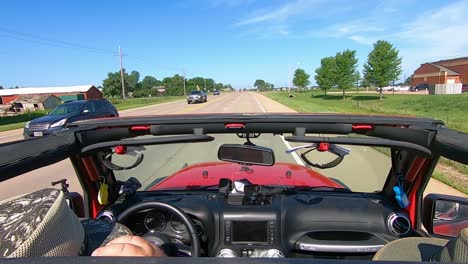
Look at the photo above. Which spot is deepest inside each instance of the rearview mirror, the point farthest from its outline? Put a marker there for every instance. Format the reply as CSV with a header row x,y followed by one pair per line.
x,y
445,215
246,154
85,111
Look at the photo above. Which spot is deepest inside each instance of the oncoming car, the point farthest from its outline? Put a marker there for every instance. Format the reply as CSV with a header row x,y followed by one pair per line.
x,y
243,185
197,96
66,113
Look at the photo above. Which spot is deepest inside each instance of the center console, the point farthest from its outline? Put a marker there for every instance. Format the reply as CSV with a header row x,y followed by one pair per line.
x,y
249,239
249,231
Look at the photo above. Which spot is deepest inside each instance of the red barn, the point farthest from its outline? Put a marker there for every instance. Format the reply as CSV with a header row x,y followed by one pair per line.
x,y
78,92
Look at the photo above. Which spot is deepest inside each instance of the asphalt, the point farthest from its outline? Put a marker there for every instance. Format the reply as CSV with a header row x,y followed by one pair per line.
x,y
358,171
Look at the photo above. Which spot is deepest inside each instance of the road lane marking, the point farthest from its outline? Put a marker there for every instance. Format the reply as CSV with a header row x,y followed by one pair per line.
x,y
263,109
286,143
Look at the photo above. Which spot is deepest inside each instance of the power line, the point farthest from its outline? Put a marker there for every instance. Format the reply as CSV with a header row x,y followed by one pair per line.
x,y
50,41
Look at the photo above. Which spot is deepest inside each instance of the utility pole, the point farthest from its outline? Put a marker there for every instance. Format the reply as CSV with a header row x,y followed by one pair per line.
x,y
204,79
122,74
184,81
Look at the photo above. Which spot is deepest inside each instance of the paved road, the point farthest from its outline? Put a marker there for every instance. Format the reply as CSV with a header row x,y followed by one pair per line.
x,y
366,165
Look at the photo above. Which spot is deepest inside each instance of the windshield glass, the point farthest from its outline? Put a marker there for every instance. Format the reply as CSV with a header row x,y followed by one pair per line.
x,y
184,166
67,109
195,92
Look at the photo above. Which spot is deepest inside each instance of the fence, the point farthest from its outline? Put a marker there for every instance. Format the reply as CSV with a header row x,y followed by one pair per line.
x,y
449,88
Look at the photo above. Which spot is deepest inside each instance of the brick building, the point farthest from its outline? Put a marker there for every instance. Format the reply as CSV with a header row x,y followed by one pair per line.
x,y
75,92
442,72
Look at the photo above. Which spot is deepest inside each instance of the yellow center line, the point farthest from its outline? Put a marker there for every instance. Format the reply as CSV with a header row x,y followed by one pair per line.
x,y
192,107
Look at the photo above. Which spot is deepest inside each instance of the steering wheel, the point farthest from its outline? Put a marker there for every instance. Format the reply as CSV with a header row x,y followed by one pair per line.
x,y
161,239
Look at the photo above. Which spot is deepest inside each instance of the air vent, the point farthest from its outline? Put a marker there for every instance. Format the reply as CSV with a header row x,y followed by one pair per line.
x,y
399,223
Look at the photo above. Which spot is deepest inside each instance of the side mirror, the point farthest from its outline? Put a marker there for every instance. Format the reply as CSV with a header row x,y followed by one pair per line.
x,y
246,154
85,111
445,215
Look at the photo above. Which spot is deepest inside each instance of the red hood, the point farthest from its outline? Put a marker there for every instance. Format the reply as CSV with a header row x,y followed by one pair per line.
x,y
206,174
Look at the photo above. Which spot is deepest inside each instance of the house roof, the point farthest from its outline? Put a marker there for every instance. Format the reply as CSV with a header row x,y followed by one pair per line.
x,y
449,60
47,90
34,98
442,68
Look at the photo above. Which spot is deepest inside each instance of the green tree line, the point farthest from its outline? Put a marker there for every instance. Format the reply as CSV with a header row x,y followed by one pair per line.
x,y
383,66
112,85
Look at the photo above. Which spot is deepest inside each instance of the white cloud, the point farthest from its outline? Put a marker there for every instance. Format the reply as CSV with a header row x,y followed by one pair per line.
x,y
434,35
278,21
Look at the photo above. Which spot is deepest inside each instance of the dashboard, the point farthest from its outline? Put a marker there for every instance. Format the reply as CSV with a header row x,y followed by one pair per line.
x,y
307,224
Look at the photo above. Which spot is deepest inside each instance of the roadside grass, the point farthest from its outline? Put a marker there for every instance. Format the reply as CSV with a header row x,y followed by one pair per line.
x,y
18,121
451,109
138,102
454,183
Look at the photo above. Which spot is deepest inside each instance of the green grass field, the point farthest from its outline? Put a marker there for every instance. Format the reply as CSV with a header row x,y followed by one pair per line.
x,y
14,122
451,109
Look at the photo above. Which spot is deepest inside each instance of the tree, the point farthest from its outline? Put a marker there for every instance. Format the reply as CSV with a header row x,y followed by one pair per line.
x,y
219,86
324,74
301,78
174,85
149,82
113,85
383,65
408,80
1,87
259,84
365,83
132,81
345,70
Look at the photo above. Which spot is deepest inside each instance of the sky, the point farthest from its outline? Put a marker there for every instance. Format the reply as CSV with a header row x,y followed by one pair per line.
x,y
61,43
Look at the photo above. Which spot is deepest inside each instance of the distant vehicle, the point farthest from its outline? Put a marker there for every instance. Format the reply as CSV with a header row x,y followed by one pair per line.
x,y
465,88
386,88
216,92
401,88
197,96
419,87
68,112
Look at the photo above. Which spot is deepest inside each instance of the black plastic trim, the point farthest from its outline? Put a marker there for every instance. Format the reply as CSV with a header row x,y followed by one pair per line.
x,y
378,142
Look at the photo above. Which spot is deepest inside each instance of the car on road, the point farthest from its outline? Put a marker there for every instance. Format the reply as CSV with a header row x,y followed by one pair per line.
x,y
240,185
66,113
216,92
419,87
197,96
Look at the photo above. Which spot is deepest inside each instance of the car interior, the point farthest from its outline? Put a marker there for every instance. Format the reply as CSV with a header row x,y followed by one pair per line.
x,y
246,202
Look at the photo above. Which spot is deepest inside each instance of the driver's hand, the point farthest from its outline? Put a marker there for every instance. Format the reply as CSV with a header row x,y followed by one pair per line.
x,y
129,246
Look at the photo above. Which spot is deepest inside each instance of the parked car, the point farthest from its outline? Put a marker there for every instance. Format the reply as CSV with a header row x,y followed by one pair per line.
x,y
386,88
66,113
465,88
247,194
197,96
401,88
216,92
419,87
